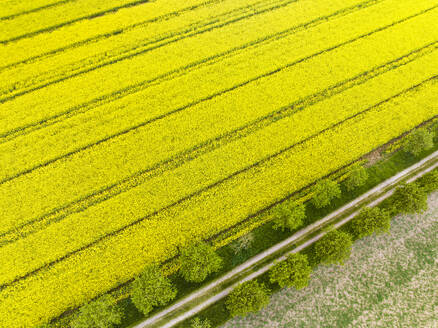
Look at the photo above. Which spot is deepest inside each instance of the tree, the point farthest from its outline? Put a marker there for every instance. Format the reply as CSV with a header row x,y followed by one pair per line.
x,y
101,313
370,220
289,217
357,177
418,141
198,261
151,289
410,199
292,272
247,297
324,192
333,248
198,323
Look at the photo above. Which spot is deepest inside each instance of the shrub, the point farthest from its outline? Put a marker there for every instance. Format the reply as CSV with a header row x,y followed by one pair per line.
x,y
333,248
101,313
198,323
247,297
370,220
434,131
410,199
418,141
151,289
243,243
429,181
324,192
292,272
289,217
198,261
357,178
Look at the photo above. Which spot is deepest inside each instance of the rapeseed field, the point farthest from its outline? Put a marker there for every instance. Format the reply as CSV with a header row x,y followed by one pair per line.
x,y
130,129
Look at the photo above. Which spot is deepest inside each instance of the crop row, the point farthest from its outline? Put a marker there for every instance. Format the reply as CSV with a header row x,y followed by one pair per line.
x,y
105,164
169,188
412,69
118,258
12,9
123,120
122,78
92,30
175,85
161,100
56,16
127,43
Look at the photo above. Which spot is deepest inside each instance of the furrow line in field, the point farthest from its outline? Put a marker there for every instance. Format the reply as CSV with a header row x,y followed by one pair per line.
x,y
26,12
94,15
229,177
87,65
208,146
47,163
108,35
143,85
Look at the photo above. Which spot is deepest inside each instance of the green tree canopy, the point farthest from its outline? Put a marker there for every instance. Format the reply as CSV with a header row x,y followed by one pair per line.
x,y
289,216
410,199
357,177
151,289
370,220
198,261
429,181
292,272
324,192
101,313
247,297
333,248
198,323
418,142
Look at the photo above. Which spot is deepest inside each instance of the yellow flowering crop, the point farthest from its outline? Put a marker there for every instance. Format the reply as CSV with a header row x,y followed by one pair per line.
x,y
126,136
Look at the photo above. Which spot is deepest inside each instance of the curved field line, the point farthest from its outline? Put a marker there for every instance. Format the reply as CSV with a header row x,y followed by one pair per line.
x,y
47,163
112,61
181,158
6,136
205,189
78,68
54,27
99,37
55,4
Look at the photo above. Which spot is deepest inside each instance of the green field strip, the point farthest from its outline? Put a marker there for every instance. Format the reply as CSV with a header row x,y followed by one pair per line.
x,y
91,31
179,159
14,8
67,65
31,108
55,17
168,189
89,169
128,116
111,261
